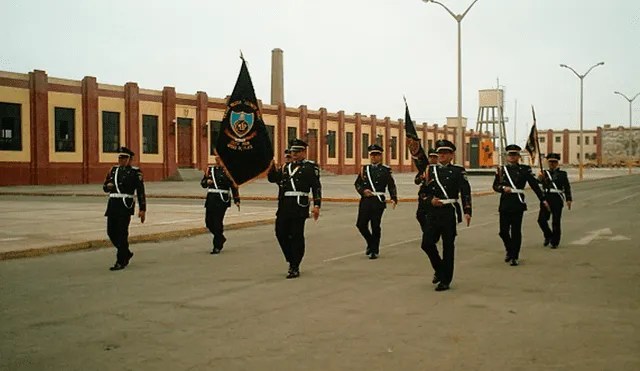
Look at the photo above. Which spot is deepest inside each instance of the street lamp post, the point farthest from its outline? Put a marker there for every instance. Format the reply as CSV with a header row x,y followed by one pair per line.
x,y
581,77
630,100
460,132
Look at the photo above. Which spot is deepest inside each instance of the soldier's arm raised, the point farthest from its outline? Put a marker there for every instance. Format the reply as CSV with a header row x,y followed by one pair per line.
x,y
206,178
275,174
359,184
108,182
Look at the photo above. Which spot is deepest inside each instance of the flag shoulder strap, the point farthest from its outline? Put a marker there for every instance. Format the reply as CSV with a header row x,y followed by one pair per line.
x,y
513,186
554,184
373,187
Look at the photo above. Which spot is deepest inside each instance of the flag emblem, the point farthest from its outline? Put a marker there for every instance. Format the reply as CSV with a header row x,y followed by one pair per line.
x,y
241,123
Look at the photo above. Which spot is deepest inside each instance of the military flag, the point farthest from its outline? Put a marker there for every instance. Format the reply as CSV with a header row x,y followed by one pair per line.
x,y
413,141
243,146
533,144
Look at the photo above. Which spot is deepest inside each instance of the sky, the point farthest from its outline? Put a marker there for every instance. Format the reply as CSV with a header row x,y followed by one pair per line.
x,y
352,55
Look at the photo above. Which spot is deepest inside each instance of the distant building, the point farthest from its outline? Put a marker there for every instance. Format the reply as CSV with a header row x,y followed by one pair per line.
x,y
60,131
605,146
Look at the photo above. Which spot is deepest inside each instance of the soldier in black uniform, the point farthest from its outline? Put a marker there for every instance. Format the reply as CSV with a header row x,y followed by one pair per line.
x,y
276,173
445,182
510,180
121,183
557,190
371,184
421,214
296,179
220,190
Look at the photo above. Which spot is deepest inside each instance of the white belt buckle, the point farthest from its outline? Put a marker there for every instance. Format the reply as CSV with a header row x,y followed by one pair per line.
x,y
214,190
296,193
120,195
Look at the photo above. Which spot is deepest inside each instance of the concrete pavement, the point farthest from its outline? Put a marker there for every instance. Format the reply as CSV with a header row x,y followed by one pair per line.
x,y
178,308
37,221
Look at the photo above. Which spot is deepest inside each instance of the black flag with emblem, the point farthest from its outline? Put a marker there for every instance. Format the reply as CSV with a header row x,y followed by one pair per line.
x,y
243,146
413,141
533,145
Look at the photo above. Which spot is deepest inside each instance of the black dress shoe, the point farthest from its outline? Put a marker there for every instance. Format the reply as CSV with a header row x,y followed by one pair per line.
x,y
435,279
514,262
128,259
442,287
117,267
293,273
507,258
215,251
546,242
554,246
367,251
373,256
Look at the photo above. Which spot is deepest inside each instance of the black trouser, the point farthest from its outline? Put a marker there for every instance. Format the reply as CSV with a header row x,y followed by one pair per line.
x,y
441,224
118,232
290,235
422,218
511,232
213,219
553,235
370,211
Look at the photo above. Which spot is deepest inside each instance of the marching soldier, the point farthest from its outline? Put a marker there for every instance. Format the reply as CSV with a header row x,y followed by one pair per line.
x,y
220,190
296,180
420,180
557,190
121,183
276,173
510,181
372,184
445,183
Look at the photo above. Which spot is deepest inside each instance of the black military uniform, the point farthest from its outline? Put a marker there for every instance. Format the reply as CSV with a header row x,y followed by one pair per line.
x,y
513,176
295,180
421,212
557,190
443,211
376,178
219,194
121,182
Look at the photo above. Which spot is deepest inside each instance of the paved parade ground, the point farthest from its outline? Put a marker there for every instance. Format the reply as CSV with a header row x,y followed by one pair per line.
x,y
178,308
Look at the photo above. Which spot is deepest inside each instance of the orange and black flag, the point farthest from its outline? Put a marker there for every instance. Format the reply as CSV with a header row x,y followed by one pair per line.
x,y
244,147
413,141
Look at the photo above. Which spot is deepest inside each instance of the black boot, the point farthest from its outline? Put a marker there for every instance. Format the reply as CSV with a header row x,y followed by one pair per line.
x,y
294,272
435,279
117,267
128,259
